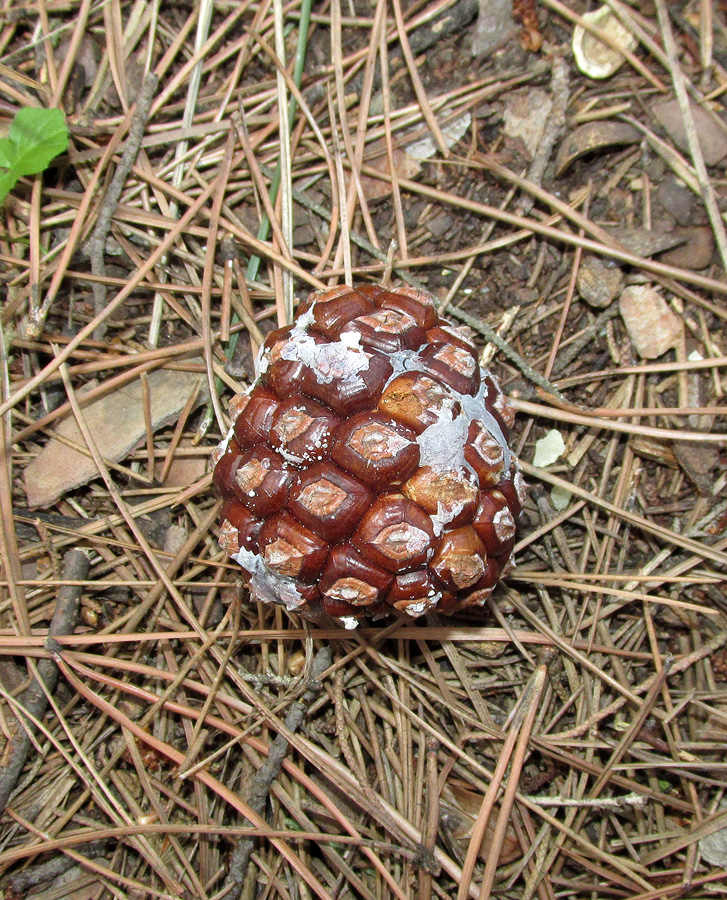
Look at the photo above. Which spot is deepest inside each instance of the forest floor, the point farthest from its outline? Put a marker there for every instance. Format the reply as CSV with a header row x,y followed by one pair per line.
x,y
568,740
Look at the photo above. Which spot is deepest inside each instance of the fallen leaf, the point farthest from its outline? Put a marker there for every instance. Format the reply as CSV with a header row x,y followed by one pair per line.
x,y
697,460
460,808
654,449
408,160
174,539
560,498
713,847
406,167
185,470
696,253
117,425
452,132
710,133
677,199
714,726
652,326
591,137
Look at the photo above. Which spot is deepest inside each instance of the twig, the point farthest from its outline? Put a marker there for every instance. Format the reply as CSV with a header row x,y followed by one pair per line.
x,y
553,129
493,337
47,871
268,772
33,699
568,355
626,800
97,242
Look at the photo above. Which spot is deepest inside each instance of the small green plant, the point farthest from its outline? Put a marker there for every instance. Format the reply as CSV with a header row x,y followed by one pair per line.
x,y
36,136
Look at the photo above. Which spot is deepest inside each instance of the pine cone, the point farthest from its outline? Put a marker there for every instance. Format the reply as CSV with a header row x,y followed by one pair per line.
x,y
368,471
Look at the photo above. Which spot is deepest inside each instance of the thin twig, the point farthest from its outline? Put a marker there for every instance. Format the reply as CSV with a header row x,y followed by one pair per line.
x,y
33,699
554,127
268,771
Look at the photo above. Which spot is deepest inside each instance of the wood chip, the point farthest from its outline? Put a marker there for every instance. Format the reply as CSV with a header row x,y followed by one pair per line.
x,y
591,137
525,117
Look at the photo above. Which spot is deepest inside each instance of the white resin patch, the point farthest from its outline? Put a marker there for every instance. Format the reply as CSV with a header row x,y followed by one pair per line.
x,y
443,516
441,447
267,585
374,442
262,363
402,541
422,606
504,524
336,361
442,443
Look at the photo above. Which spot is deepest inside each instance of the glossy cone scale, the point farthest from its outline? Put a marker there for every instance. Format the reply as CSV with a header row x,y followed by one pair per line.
x,y
367,471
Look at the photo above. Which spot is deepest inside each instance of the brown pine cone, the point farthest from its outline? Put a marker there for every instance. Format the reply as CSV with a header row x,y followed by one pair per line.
x,y
368,471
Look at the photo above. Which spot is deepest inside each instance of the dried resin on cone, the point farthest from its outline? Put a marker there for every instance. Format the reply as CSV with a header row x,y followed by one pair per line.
x,y
367,471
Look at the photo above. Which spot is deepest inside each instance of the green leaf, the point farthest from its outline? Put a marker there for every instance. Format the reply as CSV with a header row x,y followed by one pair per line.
x,y
35,138
6,183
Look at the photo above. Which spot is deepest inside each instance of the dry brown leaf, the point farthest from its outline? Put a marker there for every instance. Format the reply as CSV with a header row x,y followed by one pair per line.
x,y
656,450
185,470
117,425
642,241
697,461
526,114
460,809
406,167
696,253
407,161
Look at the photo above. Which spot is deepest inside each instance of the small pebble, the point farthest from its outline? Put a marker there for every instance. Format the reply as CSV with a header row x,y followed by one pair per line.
x,y
598,284
652,326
